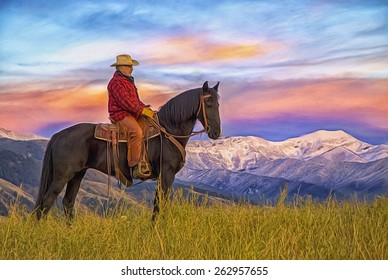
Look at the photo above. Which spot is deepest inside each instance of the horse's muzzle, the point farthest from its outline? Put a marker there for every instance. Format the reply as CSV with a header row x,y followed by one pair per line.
x,y
215,134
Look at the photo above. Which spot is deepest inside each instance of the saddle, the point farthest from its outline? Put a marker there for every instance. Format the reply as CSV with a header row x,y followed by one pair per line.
x,y
112,134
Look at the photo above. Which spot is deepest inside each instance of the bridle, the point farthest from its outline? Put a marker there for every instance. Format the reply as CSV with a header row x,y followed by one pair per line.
x,y
172,137
206,126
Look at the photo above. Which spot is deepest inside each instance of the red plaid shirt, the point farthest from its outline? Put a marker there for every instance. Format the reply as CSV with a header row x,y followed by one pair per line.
x,y
123,98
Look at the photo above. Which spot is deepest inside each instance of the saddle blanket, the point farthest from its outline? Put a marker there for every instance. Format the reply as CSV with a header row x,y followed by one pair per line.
x,y
105,131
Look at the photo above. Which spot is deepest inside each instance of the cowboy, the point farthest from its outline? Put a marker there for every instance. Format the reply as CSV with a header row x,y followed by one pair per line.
x,y
125,108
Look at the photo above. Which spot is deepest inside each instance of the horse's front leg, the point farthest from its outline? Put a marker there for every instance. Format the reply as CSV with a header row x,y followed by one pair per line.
x,y
163,190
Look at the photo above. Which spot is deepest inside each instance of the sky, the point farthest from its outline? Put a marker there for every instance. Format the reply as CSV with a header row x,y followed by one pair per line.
x,y
286,68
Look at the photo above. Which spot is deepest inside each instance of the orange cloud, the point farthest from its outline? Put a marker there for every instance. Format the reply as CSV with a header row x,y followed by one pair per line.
x,y
155,95
236,51
194,49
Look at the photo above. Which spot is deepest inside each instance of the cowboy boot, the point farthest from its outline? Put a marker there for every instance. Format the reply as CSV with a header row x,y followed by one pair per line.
x,y
141,171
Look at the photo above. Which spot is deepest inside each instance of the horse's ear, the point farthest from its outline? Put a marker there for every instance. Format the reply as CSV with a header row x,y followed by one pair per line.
x,y
216,86
205,87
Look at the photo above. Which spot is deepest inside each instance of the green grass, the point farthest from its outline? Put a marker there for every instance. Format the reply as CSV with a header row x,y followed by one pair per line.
x,y
303,230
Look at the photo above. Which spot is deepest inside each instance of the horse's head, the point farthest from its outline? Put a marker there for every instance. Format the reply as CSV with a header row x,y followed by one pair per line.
x,y
209,114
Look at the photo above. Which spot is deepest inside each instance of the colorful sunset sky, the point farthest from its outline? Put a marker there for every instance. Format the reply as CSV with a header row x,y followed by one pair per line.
x,y
286,68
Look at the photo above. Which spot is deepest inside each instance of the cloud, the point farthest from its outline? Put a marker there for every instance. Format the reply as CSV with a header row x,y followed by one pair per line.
x,y
201,37
362,100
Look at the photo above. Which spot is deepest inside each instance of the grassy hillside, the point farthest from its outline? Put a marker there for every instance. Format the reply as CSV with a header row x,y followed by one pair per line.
x,y
304,230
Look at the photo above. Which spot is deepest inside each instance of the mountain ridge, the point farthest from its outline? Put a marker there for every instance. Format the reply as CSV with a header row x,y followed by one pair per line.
x,y
305,147
5,133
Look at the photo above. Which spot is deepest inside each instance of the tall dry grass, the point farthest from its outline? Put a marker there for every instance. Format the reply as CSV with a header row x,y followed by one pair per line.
x,y
185,230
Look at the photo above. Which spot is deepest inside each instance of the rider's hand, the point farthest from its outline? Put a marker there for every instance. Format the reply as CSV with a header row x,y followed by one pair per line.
x,y
148,112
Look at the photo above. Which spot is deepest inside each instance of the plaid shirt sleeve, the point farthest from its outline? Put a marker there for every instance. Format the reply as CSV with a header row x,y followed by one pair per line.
x,y
123,99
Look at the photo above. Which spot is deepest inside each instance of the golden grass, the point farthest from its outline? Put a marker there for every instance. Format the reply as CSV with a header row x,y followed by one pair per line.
x,y
304,230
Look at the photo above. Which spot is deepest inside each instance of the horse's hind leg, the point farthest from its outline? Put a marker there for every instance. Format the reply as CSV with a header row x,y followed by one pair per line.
x,y
48,199
71,192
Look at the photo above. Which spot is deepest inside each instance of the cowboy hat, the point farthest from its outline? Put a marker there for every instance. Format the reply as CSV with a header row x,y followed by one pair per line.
x,y
125,59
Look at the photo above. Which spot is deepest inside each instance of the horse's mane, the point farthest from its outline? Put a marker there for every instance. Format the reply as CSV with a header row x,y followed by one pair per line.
x,y
180,108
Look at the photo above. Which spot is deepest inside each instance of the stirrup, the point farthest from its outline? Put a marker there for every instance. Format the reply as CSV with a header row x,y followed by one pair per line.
x,y
141,171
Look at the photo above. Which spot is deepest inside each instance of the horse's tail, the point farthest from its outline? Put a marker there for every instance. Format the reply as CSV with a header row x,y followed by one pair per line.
x,y
46,176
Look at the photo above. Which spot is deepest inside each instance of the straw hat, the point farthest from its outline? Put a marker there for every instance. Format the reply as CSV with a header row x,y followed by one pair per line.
x,y
125,59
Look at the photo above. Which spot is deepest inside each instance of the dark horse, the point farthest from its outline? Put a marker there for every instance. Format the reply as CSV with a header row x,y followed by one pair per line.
x,y
73,150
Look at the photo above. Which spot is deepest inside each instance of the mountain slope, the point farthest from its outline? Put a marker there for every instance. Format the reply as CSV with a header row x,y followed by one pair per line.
x,y
11,194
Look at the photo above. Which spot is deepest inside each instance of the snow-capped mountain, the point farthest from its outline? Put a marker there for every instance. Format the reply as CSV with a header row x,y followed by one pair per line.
x,y
244,153
316,143
321,162
5,133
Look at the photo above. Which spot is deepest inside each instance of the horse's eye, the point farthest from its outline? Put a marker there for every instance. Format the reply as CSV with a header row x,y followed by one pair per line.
x,y
208,102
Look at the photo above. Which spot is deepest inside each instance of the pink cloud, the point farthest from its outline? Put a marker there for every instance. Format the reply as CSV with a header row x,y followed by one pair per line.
x,y
365,100
32,109
28,108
